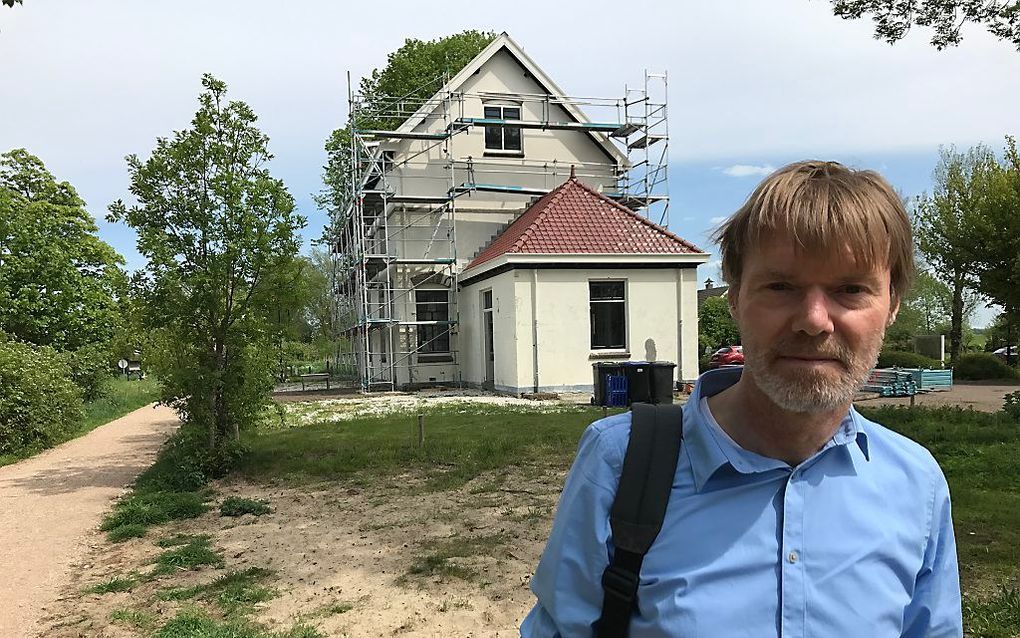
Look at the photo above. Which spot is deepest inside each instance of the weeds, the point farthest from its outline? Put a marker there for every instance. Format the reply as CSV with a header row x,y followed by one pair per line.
x,y
135,617
236,506
195,553
194,624
113,585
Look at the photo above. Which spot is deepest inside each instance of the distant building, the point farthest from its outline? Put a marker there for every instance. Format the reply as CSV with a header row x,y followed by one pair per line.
x,y
497,237
710,290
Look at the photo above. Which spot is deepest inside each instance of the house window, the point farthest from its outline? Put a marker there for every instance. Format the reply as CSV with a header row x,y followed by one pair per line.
x,y
433,305
503,138
608,315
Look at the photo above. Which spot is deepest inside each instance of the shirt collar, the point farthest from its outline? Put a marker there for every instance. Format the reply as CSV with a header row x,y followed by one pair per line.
x,y
710,450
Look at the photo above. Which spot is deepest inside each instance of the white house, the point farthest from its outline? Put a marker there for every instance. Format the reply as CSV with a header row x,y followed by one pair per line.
x,y
488,242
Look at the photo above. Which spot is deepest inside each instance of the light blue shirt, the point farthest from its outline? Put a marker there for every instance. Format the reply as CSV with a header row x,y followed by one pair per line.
x,y
855,541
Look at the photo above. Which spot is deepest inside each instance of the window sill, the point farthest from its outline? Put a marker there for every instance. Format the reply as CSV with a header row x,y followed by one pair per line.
x,y
503,154
435,358
608,354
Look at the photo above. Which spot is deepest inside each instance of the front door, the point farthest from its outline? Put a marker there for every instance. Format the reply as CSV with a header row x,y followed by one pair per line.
x,y
488,352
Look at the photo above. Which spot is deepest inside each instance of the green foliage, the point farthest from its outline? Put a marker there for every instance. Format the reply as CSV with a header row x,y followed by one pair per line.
x,y
39,405
125,532
195,553
893,18
716,328
236,506
947,227
1011,405
134,617
981,365
219,235
998,261
900,359
461,442
995,617
193,624
58,280
113,585
119,396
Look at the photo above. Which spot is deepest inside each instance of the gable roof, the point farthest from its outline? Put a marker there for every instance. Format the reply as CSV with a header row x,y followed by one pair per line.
x,y
504,41
574,219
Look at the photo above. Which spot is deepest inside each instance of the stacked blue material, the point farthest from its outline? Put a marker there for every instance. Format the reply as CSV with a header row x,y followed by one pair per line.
x,y
891,382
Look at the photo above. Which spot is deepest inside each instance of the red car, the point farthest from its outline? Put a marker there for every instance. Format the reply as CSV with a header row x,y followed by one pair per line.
x,y
728,356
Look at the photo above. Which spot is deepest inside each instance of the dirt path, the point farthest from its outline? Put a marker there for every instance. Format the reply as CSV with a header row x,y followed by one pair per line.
x,y
49,504
984,397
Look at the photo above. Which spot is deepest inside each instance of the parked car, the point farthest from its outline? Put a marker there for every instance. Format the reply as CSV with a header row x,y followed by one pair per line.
x,y
727,356
1002,352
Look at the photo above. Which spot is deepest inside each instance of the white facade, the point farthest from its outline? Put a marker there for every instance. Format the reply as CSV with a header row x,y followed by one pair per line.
x,y
542,319
539,315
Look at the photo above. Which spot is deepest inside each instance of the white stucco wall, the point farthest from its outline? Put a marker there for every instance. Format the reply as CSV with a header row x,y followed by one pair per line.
x,y
505,318
661,317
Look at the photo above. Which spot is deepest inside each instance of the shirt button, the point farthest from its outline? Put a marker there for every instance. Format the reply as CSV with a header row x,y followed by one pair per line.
x,y
792,557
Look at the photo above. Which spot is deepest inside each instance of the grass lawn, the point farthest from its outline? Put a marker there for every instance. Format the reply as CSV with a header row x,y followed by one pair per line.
x,y
979,453
460,475
120,397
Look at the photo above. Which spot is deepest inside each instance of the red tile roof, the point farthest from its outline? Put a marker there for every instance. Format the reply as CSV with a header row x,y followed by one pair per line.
x,y
575,219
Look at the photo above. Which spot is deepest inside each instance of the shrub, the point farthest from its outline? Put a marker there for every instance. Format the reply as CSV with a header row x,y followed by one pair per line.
x,y
1011,405
901,359
90,368
981,365
39,404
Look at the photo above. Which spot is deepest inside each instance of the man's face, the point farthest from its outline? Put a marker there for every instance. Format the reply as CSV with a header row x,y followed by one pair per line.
x,y
811,326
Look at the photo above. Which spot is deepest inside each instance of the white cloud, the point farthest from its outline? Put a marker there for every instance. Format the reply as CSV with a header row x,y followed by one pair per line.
x,y
747,170
718,220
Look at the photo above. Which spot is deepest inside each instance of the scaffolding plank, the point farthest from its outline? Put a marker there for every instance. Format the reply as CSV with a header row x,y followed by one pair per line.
x,y
625,129
645,140
604,127
405,135
500,188
419,199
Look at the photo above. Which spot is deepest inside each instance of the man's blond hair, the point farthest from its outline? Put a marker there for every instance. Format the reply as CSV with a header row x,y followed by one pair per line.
x,y
824,207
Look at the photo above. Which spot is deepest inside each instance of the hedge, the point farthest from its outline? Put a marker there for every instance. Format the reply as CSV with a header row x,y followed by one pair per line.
x,y
981,365
39,403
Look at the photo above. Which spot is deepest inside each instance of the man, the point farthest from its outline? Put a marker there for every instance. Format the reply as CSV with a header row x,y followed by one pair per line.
x,y
790,514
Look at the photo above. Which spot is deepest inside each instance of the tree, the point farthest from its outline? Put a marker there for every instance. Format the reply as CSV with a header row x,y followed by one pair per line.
x,y
11,3
893,18
715,325
58,280
219,233
947,222
413,73
998,229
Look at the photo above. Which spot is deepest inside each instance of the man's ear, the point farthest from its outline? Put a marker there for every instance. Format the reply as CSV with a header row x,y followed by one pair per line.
x,y
731,301
894,309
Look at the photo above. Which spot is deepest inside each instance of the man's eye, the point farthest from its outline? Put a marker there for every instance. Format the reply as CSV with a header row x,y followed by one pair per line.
x,y
854,289
779,286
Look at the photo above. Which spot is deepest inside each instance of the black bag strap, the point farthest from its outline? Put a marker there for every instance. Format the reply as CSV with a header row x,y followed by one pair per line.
x,y
656,433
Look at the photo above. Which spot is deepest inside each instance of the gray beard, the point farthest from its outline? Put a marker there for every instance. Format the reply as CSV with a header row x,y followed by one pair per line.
x,y
811,392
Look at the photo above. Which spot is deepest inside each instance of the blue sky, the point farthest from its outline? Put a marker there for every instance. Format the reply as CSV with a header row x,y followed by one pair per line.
x,y
753,85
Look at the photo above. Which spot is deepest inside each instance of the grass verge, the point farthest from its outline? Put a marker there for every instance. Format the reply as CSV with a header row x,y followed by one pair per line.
x,y
237,506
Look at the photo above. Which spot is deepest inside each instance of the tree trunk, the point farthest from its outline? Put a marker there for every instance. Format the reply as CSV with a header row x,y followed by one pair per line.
x,y
956,321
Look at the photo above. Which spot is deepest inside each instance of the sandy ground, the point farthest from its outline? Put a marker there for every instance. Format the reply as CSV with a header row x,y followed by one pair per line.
x,y
985,397
51,504
354,546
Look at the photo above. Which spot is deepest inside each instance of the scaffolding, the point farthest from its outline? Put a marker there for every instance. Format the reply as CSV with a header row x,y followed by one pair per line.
x,y
394,245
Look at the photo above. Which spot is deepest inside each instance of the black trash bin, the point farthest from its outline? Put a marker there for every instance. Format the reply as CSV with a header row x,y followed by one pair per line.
x,y
639,382
601,371
661,381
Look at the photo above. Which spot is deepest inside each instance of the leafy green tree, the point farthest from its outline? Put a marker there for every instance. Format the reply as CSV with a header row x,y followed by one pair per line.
x,y
998,261
893,18
58,280
219,233
715,325
413,73
947,226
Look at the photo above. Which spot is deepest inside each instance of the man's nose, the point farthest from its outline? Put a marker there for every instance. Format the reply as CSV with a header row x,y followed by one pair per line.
x,y
813,317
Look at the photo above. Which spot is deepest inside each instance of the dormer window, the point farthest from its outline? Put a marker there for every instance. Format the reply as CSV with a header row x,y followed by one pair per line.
x,y
503,138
